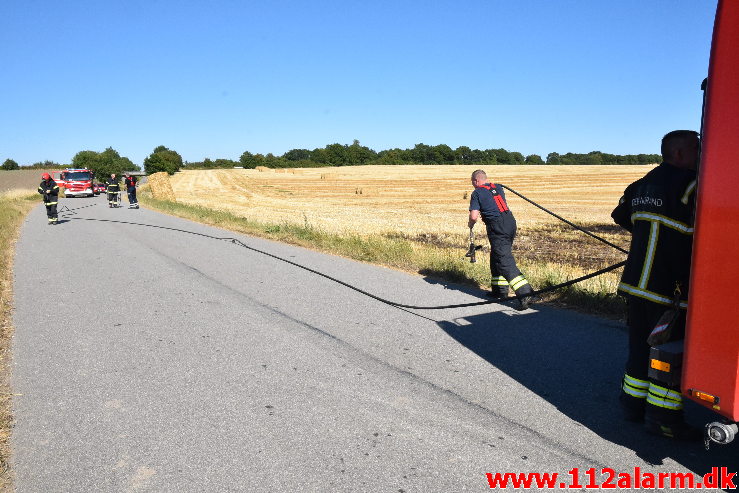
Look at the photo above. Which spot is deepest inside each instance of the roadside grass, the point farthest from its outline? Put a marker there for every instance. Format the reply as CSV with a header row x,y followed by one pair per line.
x,y
442,260
14,206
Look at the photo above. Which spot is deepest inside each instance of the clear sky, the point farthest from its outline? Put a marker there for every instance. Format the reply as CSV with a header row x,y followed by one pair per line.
x,y
214,78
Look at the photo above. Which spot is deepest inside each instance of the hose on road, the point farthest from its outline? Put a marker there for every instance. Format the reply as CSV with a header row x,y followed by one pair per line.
x,y
240,243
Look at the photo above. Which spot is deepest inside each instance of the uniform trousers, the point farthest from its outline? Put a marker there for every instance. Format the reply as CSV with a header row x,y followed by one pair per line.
x,y
503,268
659,401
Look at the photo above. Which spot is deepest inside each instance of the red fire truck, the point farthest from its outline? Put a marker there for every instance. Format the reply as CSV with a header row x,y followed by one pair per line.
x,y
708,362
76,182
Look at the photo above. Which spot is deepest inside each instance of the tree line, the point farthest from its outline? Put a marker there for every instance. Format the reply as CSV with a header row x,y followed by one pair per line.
x,y
163,159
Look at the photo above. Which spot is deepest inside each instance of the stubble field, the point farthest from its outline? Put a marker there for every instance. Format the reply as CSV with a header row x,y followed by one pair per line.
x,y
426,204
20,179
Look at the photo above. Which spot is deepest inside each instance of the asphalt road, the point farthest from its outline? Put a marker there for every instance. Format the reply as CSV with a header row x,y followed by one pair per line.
x,y
149,356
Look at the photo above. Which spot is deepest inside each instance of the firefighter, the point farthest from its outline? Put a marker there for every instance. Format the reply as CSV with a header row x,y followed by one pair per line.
x,y
488,201
131,190
113,187
658,211
50,191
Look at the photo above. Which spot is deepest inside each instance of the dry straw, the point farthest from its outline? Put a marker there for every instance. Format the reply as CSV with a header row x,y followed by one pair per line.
x,y
161,188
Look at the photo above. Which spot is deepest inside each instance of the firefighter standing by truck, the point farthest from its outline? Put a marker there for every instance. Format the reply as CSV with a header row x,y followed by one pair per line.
x,y
658,210
50,191
488,201
113,188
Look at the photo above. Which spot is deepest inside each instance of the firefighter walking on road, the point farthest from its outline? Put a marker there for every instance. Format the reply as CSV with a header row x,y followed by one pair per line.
x,y
113,188
130,181
50,191
658,210
488,201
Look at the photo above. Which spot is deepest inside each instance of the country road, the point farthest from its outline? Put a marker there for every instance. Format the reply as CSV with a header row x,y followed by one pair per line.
x,y
150,356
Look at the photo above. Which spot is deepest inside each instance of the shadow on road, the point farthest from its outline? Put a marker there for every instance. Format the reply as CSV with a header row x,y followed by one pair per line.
x,y
578,370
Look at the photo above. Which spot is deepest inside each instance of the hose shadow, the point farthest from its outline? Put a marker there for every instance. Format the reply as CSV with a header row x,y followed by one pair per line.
x,y
578,369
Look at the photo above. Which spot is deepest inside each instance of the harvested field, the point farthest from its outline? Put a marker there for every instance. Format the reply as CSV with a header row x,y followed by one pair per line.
x,y
20,178
427,204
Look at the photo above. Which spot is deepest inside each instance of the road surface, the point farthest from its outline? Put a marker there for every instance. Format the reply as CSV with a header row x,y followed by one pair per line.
x,y
150,356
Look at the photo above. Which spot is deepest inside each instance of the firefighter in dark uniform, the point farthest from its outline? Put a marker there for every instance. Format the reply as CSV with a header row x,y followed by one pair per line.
x,y
113,188
131,190
658,210
488,201
50,191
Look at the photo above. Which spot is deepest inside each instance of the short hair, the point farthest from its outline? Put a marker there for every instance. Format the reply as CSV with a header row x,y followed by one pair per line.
x,y
479,173
676,139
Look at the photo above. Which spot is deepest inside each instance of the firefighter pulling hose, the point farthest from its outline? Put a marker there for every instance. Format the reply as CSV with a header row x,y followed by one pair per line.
x,y
488,202
50,191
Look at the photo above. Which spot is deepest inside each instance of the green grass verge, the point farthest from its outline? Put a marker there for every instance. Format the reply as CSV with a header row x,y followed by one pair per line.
x,y
444,263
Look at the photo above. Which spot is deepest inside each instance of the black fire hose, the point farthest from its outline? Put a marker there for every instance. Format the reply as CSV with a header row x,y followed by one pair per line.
x,y
566,221
238,242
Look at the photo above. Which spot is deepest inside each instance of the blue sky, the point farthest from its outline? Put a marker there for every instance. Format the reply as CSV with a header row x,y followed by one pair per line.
x,y
216,78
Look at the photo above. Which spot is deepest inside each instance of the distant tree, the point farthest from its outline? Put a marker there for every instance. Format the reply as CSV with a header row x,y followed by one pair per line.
x,y
534,159
247,160
594,157
163,159
425,154
103,164
517,158
47,165
359,154
85,160
392,156
337,155
463,155
9,164
297,155
445,154
501,155
553,158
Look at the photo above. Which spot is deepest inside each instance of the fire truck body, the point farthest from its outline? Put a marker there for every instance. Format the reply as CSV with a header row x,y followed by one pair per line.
x,y
78,183
711,358
57,176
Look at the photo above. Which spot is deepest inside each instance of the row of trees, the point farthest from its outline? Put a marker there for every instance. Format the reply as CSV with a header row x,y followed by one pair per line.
x,y
105,163
356,154
164,159
9,165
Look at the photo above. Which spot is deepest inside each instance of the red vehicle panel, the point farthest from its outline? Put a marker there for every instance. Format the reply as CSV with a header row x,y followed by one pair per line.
x,y
711,360
78,183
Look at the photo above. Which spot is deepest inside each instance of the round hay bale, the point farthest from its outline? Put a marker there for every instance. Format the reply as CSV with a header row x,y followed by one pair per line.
x,y
161,188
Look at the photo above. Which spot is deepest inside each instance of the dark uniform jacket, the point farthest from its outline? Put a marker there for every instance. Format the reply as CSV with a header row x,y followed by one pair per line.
x,y
130,182
114,185
484,199
658,209
50,191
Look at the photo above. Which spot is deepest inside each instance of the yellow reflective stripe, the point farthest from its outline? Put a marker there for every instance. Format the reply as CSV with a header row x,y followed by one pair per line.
x,y
499,281
648,295
666,403
663,397
649,257
635,387
51,203
664,220
664,392
688,191
635,382
519,281
639,394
